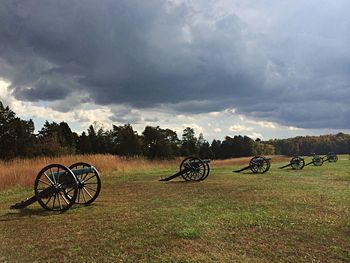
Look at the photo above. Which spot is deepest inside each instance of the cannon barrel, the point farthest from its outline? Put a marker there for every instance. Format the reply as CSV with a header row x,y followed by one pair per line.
x,y
76,172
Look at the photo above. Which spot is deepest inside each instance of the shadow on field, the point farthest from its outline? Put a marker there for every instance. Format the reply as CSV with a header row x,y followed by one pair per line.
x,y
27,212
181,182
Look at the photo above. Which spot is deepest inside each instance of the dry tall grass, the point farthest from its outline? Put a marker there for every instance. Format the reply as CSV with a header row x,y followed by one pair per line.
x,y
245,160
22,172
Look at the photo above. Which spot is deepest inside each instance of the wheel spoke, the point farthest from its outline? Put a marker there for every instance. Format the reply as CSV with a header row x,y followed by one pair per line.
x,y
53,176
87,192
89,178
54,200
58,174
72,189
64,198
59,201
83,196
48,178
41,181
90,188
85,175
48,200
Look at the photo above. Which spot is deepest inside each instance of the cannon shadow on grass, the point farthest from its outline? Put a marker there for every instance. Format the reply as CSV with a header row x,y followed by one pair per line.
x,y
37,211
181,182
27,212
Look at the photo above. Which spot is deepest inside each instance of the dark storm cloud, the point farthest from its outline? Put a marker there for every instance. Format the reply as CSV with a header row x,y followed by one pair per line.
x,y
189,57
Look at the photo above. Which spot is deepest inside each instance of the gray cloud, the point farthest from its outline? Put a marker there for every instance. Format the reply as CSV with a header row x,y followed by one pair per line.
x,y
288,62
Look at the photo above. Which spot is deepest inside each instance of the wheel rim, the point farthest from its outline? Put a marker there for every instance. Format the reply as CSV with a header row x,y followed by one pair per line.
x,y
297,163
89,184
254,164
332,158
317,161
259,164
198,169
207,171
52,185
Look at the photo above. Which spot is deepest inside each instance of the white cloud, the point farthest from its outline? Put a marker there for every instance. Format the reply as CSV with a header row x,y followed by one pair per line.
x,y
291,128
264,124
255,135
214,125
240,128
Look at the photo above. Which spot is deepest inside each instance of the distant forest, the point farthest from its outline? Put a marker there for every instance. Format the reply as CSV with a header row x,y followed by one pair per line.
x,y
17,139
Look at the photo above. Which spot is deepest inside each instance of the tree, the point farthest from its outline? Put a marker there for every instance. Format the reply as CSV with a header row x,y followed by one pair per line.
x,y
216,149
157,143
84,144
189,142
57,139
125,140
16,135
203,147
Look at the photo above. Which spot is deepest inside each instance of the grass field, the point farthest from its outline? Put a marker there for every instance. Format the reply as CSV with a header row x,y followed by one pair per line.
x,y
281,216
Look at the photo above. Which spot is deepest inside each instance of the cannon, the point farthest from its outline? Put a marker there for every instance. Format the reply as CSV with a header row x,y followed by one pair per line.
x,y
297,163
316,160
330,157
191,169
57,187
258,164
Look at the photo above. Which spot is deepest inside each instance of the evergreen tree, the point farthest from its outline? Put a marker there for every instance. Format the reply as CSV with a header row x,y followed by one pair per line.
x,y
16,135
126,141
159,143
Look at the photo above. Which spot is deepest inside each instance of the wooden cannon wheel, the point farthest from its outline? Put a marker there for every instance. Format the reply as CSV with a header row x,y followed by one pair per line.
x,y
332,157
317,160
198,169
52,186
207,171
297,163
89,183
259,164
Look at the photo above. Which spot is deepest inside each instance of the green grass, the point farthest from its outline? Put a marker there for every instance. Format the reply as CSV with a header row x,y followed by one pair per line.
x,y
281,216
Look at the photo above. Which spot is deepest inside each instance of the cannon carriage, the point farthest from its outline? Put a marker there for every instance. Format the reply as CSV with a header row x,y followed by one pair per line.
x,y
316,160
296,163
330,157
191,169
57,187
258,164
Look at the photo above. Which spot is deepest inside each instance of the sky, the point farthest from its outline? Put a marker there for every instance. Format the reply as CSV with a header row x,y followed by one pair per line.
x,y
267,69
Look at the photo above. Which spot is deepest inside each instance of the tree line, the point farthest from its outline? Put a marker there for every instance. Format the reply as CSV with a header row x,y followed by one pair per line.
x,y
18,139
306,145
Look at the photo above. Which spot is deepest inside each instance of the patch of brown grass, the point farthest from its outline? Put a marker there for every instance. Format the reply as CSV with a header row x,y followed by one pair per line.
x,y
245,160
23,171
